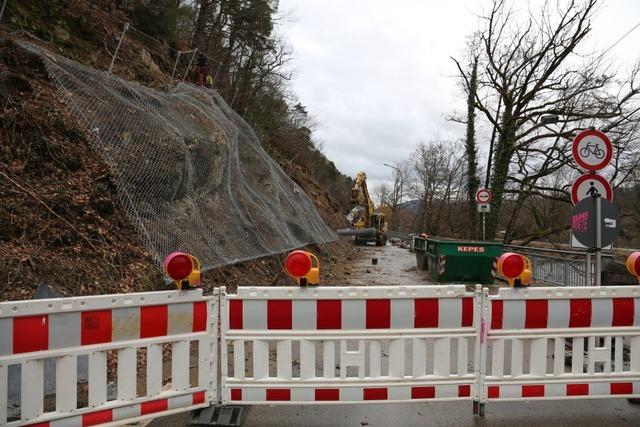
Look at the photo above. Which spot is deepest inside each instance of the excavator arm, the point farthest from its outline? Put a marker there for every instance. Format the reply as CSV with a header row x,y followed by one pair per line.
x,y
366,225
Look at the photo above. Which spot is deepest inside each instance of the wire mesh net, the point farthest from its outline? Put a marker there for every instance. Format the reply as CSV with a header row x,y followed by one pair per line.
x,y
191,173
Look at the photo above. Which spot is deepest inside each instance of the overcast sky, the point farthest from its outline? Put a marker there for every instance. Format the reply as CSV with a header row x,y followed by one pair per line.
x,y
378,76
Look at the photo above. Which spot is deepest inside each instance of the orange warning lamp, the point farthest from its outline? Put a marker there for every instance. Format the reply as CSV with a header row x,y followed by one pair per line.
x,y
515,268
633,264
304,267
183,269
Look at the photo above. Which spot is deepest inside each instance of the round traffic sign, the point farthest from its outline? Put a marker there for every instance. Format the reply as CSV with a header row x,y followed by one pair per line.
x,y
483,196
584,225
592,149
589,183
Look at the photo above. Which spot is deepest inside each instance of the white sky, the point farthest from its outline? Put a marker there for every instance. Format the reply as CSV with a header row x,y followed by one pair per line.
x,y
378,77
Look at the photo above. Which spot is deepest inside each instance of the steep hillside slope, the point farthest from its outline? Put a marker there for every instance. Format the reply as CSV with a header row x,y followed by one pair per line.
x,y
61,222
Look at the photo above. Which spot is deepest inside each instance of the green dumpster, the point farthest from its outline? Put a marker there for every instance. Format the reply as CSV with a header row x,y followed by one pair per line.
x,y
457,261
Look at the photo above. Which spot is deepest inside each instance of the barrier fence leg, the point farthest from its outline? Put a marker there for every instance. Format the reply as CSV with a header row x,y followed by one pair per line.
x,y
481,314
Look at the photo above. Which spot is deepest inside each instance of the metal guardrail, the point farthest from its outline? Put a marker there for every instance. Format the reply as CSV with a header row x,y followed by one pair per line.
x,y
558,267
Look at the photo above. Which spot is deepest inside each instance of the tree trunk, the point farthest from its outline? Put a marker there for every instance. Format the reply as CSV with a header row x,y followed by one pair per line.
x,y
470,144
502,160
200,36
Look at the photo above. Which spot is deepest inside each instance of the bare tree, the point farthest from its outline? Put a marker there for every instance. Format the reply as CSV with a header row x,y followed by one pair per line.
x,y
531,68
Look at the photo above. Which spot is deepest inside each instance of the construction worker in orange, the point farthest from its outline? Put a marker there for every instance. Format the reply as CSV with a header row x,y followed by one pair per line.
x,y
202,69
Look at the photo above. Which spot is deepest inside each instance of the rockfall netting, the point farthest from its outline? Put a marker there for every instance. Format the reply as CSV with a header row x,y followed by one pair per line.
x,y
191,173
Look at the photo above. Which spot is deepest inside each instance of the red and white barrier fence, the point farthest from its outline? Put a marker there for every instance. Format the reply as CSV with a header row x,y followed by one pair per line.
x,y
348,345
562,343
311,345
125,326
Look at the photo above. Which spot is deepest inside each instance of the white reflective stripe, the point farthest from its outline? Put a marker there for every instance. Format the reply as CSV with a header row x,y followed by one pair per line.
x,y
402,313
463,356
555,390
4,381
446,391
601,312
599,389
636,315
32,389
509,391
329,359
154,369
396,358
399,393
441,356
254,394
513,314
67,422
304,315
260,359
375,356
558,314
351,394
636,386
419,358
497,357
64,330
517,356
353,314
283,359
97,378
67,383
180,401
180,365
449,312
538,356
307,359
303,394
125,324
124,412
180,318
6,332
254,314
127,368
238,360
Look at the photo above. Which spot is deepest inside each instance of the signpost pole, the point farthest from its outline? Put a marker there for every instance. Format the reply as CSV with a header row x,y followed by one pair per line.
x,y
598,201
587,272
483,227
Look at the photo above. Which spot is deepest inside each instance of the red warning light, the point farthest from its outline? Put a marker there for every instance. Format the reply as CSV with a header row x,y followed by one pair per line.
x,y
633,264
511,265
298,263
178,265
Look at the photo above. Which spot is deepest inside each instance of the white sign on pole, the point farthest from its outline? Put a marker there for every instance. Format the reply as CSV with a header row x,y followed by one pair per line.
x,y
483,196
484,208
589,183
592,150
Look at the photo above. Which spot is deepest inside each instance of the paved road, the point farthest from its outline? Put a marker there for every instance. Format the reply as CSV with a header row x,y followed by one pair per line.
x,y
583,413
397,267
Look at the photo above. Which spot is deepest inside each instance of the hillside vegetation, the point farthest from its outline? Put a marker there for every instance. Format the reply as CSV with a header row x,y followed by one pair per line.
x,y
61,222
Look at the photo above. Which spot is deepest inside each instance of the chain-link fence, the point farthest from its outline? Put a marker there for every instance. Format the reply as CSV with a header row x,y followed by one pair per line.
x,y
190,172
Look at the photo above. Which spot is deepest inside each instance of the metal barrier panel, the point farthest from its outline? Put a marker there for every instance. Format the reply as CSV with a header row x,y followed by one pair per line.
x,y
120,336
562,343
296,345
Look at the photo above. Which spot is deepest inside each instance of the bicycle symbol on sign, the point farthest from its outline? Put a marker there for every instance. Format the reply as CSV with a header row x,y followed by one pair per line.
x,y
592,148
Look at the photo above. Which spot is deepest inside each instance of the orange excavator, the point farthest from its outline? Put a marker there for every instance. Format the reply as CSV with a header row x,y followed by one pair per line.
x,y
366,225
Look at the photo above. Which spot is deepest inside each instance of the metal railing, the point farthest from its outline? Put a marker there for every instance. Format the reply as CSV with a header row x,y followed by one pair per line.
x,y
559,267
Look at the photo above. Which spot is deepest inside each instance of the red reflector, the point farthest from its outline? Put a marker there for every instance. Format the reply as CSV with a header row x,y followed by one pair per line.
x,y
178,265
298,263
512,265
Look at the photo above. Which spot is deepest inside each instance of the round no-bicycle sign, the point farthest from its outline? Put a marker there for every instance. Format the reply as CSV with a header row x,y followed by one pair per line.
x,y
483,196
592,150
